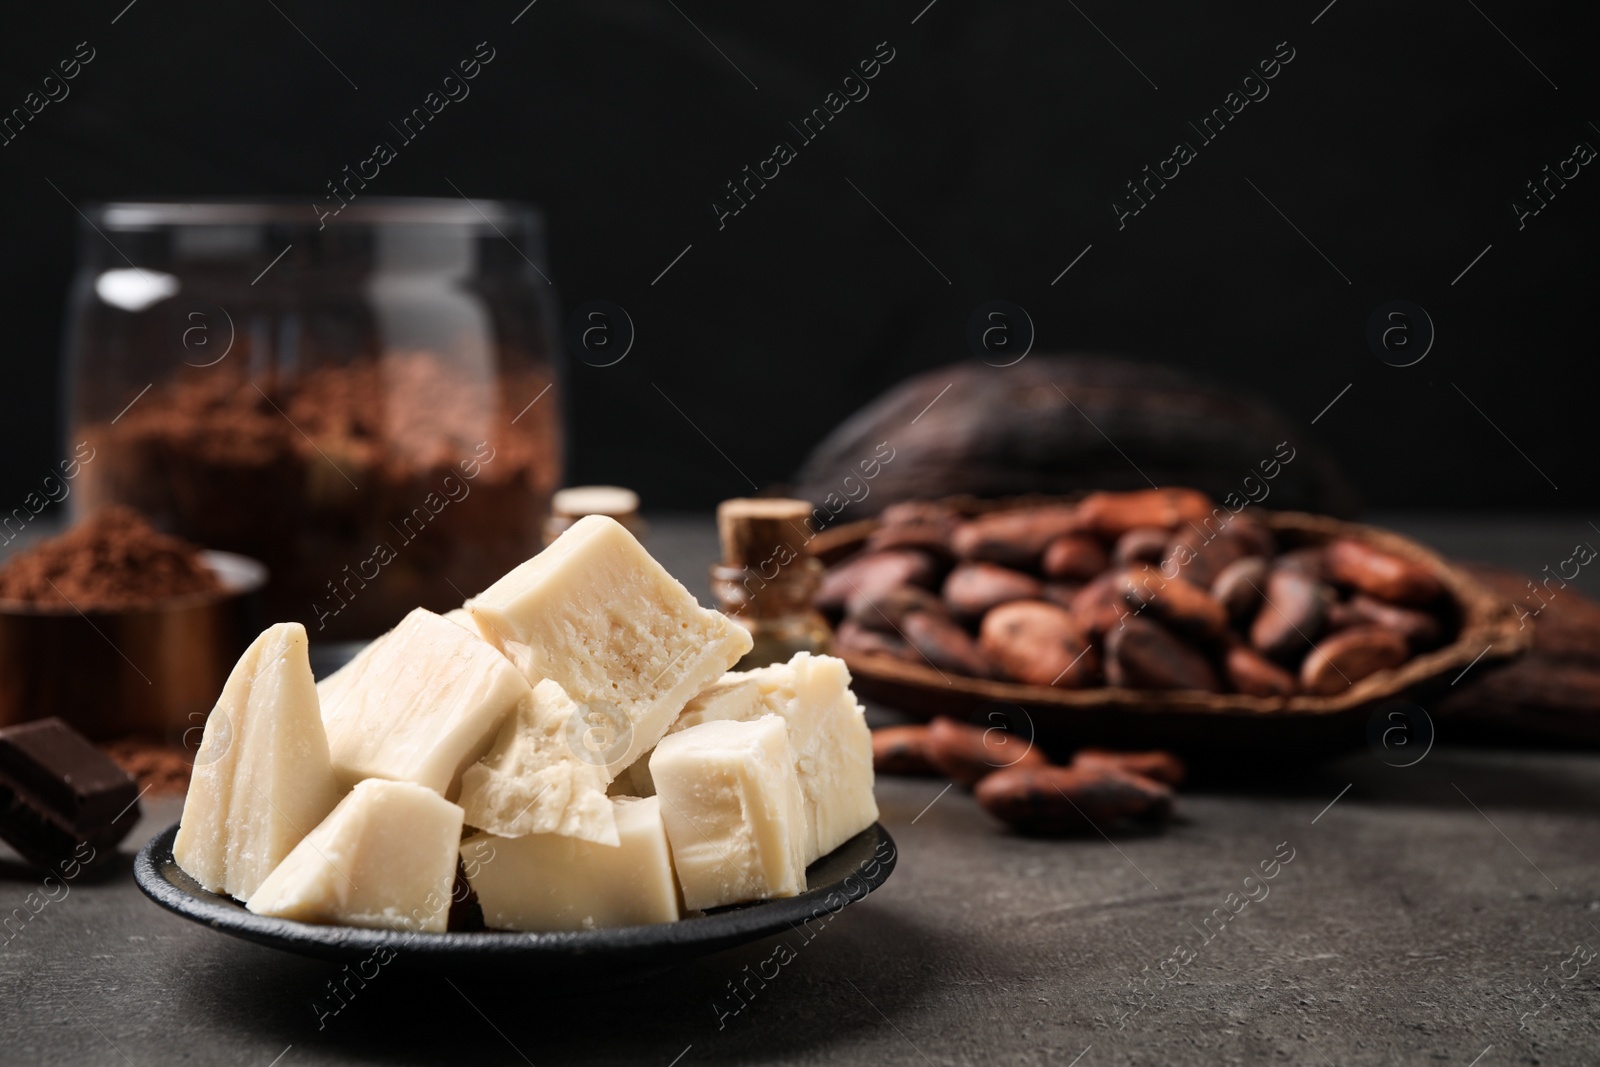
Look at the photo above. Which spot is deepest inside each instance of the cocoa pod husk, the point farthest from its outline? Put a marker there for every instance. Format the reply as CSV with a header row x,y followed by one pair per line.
x,y
1038,643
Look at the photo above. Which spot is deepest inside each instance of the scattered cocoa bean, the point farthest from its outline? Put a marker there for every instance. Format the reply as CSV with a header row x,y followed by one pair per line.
x,y
888,611
1379,574
1238,588
1040,644
1075,557
945,644
1253,674
1179,604
1014,538
853,637
1114,514
966,754
1141,654
1343,659
973,588
1145,544
874,574
1293,615
1158,766
902,750
1071,800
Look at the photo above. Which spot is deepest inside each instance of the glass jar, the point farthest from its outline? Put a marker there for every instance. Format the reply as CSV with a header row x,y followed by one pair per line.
x,y
364,403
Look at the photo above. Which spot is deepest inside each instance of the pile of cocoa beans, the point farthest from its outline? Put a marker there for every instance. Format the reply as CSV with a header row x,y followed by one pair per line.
x,y
1014,782
1156,589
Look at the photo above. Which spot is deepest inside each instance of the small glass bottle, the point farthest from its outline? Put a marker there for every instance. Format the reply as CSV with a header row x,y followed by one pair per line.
x,y
569,505
764,583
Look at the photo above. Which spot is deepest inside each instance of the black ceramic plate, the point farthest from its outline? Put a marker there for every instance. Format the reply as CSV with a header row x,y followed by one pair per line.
x,y
842,877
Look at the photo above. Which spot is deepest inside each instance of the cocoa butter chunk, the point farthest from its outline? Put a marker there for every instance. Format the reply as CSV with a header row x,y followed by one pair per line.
x,y
1379,574
853,637
1014,538
1114,514
1158,766
1294,614
1238,588
872,575
1251,673
945,645
1178,603
966,754
1144,544
888,610
902,750
1071,800
973,588
63,803
1074,558
1420,629
1144,655
1341,660
1040,644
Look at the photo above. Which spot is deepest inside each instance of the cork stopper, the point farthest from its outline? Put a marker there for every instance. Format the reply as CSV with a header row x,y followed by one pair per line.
x,y
754,529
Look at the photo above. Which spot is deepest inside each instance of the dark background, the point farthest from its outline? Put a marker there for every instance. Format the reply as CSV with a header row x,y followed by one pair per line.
x,y
995,140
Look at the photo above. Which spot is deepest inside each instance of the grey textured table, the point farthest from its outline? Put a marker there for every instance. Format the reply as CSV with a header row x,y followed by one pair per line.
x,y
1446,913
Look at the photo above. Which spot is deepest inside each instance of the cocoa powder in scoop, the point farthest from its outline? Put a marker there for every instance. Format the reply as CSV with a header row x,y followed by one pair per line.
x,y
113,561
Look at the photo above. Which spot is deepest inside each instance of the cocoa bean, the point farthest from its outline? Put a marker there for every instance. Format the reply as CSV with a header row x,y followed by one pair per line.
x,y
853,637
919,512
1199,556
888,610
1014,538
1143,655
1071,800
1253,536
1179,604
1293,615
1146,544
1310,560
967,754
1251,673
1075,558
902,750
1040,644
1061,593
1420,629
1157,766
927,537
945,645
1111,515
1379,574
1343,659
973,588
1100,605
874,574
1238,588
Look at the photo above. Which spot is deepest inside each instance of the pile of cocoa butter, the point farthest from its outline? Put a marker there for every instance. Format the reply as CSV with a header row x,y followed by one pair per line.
x,y
1157,589
1016,783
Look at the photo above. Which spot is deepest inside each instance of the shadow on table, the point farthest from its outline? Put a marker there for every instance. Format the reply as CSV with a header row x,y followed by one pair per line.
x,y
787,993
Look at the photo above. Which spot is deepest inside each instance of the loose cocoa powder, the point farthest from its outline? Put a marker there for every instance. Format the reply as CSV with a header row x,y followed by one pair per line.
x,y
161,768
113,561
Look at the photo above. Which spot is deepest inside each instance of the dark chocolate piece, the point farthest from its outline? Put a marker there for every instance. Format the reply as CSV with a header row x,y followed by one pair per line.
x,y
58,792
